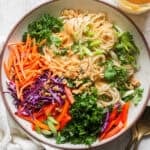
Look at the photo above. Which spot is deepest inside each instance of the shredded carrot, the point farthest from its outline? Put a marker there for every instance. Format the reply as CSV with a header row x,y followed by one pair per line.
x,y
15,51
48,109
10,60
17,73
28,41
41,125
69,95
34,48
33,65
28,79
24,64
64,111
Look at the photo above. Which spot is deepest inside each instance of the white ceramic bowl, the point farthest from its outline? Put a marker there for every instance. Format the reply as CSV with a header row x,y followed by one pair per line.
x,y
117,17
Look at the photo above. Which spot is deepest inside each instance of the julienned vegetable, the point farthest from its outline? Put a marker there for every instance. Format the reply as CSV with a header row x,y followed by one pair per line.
x,y
43,101
42,92
38,95
74,80
115,122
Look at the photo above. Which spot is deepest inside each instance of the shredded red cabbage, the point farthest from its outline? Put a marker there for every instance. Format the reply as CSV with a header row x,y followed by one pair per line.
x,y
106,121
45,90
12,90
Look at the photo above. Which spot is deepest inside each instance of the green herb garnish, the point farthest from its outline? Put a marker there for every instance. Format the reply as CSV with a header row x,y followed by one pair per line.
x,y
135,96
43,27
126,49
86,120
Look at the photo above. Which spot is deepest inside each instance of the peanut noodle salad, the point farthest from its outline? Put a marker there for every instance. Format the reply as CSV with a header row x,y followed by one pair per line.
x,y
73,76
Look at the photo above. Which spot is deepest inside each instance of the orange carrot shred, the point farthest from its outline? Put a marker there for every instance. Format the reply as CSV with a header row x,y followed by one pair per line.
x,y
64,111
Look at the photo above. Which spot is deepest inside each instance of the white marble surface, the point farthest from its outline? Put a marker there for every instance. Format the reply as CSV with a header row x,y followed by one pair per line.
x,y
12,10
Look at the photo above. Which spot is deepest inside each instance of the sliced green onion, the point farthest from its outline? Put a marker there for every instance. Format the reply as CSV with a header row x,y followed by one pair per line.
x,y
46,132
98,52
56,40
51,126
89,33
51,119
94,43
84,51
37,129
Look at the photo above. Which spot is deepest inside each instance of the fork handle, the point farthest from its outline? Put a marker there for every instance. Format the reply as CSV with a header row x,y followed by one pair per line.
x,y
138,139
131,142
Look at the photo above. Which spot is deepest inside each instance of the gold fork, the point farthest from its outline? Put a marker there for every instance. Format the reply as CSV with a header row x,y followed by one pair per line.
x,y
141,129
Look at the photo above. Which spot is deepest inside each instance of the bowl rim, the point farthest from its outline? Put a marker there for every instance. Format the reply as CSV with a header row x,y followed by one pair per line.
x,y
12,114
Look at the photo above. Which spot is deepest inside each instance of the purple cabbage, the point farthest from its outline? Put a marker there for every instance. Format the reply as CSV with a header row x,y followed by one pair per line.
x,y
12,90
105,121
45,90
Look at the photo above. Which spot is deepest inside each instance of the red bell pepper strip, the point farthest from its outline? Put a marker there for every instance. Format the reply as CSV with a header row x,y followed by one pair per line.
x,y
42,118
125,112
114,131
113,114
69,95
65,120
48,109
38,114
65,110
114,120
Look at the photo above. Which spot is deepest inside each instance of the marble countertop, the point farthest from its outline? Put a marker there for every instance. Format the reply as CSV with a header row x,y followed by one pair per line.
x,y
12,10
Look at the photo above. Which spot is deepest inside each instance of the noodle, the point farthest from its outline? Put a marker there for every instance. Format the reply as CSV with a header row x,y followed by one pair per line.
x,y
98,22
73,67
112,93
